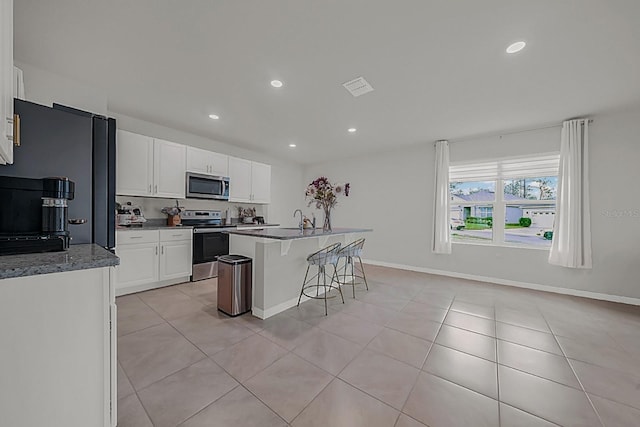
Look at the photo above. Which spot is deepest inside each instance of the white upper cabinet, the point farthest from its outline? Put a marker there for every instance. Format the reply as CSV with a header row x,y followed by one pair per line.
x,y
250,182
149,167
239,180
207,162
134,164
6,81
169,169
260,183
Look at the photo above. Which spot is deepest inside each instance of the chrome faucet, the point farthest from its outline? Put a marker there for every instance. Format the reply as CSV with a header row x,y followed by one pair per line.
x,y
301,225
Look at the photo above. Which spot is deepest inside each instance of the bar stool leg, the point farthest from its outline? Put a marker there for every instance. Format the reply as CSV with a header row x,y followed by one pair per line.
x,y
324,285
304,282
335,273
364,276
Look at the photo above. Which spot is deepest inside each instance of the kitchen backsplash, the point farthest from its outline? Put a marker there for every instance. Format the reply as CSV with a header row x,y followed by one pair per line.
x,y
151,206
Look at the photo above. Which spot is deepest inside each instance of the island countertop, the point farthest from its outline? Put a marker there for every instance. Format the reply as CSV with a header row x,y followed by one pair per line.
x,y
78,257
294,233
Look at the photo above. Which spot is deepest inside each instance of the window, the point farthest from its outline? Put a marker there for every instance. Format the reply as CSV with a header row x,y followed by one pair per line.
x,y
505,201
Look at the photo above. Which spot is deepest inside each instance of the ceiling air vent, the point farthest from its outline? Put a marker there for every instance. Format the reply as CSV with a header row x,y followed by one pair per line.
x,y
358,86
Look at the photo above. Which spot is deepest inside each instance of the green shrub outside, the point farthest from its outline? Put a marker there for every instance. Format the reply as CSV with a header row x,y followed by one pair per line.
x,y
525,222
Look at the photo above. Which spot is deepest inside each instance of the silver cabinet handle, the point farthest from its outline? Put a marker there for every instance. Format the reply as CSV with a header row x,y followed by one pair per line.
x,y
156,250
155,189
162,249
176,235
135,237
149,188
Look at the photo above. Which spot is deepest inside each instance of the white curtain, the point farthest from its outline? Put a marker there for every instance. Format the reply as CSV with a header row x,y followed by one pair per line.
x,y
441,213
571,244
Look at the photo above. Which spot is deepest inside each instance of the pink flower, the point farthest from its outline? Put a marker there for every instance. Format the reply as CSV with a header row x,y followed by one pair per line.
x,y
324,193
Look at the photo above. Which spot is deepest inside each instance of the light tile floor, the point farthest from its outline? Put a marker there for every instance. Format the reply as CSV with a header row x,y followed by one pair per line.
x,y
414,350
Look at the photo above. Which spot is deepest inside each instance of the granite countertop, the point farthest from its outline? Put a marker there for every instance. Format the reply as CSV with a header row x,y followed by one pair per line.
x,y
153,227
294,233
78,257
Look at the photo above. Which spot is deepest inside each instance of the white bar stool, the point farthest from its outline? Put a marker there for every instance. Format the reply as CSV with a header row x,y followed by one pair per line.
x,y
351,252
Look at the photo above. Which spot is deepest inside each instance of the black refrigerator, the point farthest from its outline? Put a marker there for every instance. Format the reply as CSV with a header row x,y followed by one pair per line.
x,y
64,141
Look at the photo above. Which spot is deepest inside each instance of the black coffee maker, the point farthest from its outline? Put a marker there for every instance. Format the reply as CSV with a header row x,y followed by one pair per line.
x,y
55,194
34,214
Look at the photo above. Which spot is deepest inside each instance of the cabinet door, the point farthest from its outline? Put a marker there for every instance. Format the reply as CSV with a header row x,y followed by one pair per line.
x,y
134,164
169,169
198,160
175,259
219,164
239,180
260,182
6,81
138,264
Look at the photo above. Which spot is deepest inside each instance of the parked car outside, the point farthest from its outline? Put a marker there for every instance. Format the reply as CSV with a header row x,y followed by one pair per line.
x,y
458,224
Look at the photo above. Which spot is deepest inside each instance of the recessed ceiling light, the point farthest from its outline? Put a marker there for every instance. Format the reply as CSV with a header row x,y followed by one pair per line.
x,y
516,47
276,83
214,116
351,130
292,145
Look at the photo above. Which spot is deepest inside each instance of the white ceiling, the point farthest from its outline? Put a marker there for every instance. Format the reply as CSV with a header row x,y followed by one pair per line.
x,y
439,68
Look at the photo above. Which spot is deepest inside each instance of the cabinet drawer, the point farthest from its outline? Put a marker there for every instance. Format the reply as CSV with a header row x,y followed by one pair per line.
x,y
131,237
174,235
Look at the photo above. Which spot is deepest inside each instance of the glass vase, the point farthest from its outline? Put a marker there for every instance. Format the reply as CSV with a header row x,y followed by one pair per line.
x,y
327,220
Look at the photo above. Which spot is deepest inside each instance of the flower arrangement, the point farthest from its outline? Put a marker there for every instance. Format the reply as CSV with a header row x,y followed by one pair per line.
x,y
325,196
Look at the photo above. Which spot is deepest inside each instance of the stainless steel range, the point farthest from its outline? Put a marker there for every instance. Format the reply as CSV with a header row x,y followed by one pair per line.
x,y
209,241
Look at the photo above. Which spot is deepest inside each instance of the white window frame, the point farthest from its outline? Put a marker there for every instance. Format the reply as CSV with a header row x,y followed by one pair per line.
x,y
498,171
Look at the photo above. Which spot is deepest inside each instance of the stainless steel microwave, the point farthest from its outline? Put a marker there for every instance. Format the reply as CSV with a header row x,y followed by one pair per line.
x,y
207,186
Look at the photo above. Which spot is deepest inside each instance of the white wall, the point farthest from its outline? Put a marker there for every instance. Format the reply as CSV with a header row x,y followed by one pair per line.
x,y
392,192
44,87
287,184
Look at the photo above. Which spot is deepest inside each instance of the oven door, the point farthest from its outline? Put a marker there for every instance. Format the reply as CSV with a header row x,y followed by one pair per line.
x,y
207,187
208,245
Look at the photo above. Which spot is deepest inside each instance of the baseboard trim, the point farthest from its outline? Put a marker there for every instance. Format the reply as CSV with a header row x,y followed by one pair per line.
x,y
279,308
505,282
149,286
272,311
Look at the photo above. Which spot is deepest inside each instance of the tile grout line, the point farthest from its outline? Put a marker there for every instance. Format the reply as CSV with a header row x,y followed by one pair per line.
x,y
135,392
208,357
575,373
426,357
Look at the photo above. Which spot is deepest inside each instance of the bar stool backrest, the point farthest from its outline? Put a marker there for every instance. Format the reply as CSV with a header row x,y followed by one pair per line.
x,y
327,255
352,249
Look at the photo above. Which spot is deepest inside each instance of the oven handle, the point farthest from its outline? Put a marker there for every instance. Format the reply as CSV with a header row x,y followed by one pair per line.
x,y
212,230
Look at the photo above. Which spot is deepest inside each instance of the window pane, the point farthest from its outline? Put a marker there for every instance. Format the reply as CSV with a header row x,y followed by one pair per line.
x,y
530,225
472,191
541,188
471,223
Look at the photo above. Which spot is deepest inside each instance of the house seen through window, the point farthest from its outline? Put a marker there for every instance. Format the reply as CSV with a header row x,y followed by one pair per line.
x,y
504,202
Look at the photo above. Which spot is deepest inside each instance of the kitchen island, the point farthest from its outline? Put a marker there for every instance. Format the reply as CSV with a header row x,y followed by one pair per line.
x,y
280,261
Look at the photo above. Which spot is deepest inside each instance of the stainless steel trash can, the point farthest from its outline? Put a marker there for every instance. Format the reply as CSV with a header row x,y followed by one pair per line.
x,y
234,284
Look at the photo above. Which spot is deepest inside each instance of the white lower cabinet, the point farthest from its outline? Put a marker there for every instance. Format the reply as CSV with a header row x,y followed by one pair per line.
x,y
58,352
175,255
152,259
138,264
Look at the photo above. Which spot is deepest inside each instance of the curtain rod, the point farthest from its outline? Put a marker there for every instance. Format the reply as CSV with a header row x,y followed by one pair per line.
x,y
489,135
